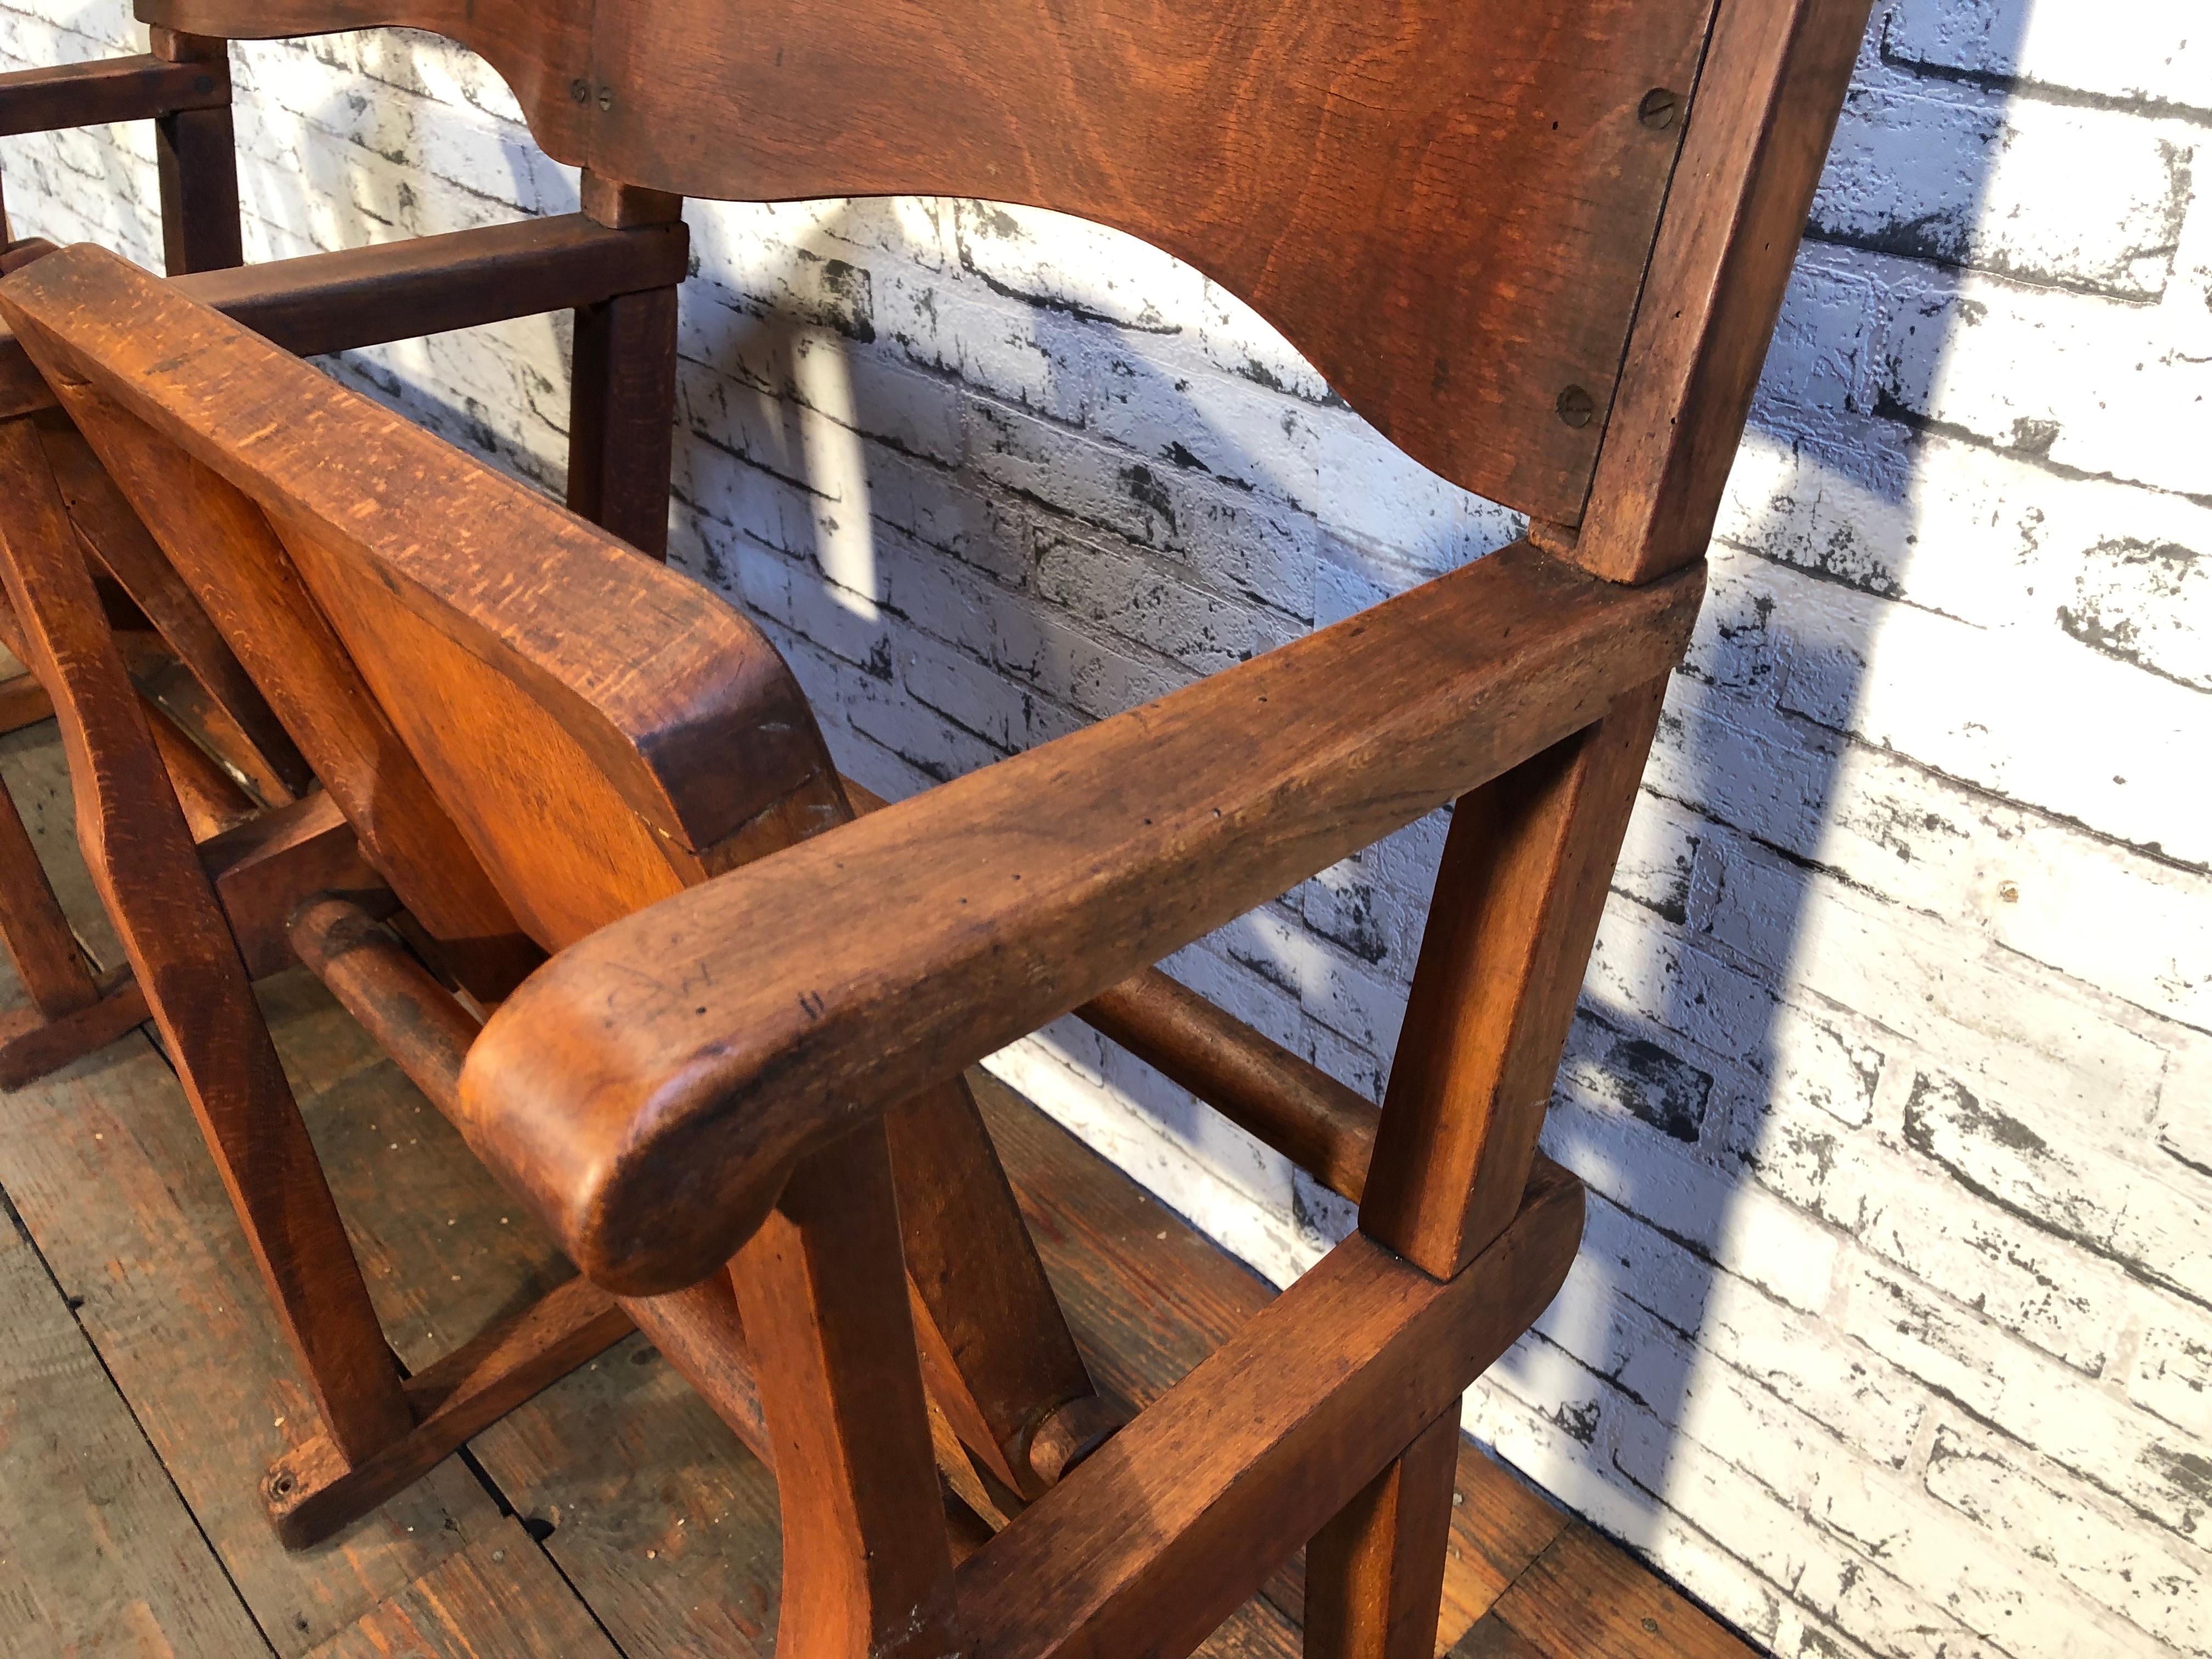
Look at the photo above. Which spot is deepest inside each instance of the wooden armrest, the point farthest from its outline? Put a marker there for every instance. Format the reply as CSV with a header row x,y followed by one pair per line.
x,y
423,285
650,1085
53,97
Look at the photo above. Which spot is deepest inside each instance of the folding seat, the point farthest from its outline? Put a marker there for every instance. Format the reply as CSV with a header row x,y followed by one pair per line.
x,y
581,861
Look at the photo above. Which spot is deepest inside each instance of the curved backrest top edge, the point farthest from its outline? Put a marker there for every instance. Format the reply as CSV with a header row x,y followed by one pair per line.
x,y
1448,206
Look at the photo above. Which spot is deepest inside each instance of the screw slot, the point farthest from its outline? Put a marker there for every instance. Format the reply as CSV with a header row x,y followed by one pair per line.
x,y
1658,108
1577,407
580,91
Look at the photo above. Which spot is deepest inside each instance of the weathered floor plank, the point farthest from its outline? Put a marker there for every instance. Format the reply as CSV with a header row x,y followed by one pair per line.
x,y
107,1169
98,1554
498,1599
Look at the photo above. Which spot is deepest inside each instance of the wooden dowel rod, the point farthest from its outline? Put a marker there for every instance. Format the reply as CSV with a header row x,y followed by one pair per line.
x,y
1260,1086
376,979
1286,1102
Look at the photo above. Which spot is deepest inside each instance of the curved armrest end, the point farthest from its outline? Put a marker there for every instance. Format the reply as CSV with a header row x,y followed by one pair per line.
x,y
651,1158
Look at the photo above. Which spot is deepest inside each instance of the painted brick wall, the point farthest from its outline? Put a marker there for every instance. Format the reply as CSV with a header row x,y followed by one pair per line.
x,y
1893,1334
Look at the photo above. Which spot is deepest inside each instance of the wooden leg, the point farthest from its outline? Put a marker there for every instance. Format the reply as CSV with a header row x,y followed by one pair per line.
x,y
622,417
148,871
1517,901
37,936
199,170
314,1491
867,1568
995,1346
1375,1574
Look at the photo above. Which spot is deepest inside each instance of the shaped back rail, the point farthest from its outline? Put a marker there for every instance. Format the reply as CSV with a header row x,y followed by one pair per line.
x,y
1447,205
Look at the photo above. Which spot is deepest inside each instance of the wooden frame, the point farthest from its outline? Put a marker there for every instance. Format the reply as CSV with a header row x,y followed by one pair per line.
x,y
705,1089
616,264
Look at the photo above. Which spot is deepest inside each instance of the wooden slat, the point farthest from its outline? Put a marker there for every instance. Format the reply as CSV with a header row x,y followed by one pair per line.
x,y
106,1167
1150,1297
51,98
1586,1599
100,1554
324,302
107,525
680,703
989,918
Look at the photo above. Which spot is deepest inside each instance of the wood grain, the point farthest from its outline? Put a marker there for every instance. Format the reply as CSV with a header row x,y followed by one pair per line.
x,y
1767,100
1375,1573
498,1599
1586,1598
1185,1512
101,1554
1446,205
142,858
1168,820
139,88
1518,896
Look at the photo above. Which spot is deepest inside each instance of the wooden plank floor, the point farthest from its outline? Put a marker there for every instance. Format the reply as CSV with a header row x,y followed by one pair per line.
x,y
143,1391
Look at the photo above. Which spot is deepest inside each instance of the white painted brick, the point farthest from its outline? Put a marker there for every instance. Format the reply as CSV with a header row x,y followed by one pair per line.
x,y
2117,390
2163,1476
2171,1374
2082,198
2166,1592
2129,51
2006,1597
1749,1232
2036,1163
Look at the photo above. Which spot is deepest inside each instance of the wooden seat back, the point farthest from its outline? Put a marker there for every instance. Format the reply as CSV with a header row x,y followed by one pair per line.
x,y
1447,205
498,694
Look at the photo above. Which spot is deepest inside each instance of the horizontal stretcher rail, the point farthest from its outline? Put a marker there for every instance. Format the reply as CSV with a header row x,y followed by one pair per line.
x,y
51,98
1280,1099
423,285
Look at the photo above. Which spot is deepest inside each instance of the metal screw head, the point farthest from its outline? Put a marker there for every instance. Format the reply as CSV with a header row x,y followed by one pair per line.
x,y
1657,109
202,83
281,1486
581,90
606,97
1577,407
